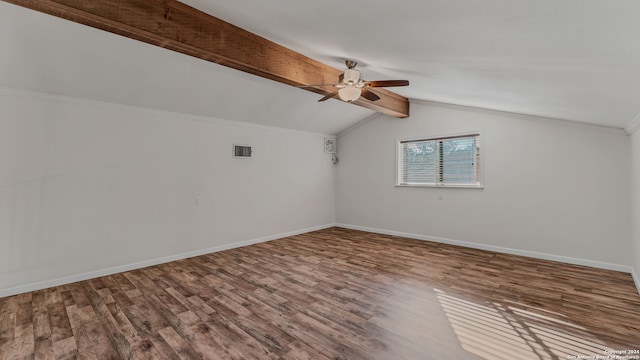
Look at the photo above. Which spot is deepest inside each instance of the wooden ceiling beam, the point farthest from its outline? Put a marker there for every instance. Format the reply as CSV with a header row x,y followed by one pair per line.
x,y
175,26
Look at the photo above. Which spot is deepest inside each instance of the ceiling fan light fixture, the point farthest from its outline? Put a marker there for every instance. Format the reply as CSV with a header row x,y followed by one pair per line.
x,y
349,93
351,86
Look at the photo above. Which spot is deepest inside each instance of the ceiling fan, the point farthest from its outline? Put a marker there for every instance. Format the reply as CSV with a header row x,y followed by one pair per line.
x,y
351,85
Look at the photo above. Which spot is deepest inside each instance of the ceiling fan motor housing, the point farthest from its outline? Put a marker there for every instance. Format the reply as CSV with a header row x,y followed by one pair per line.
x,y
351,76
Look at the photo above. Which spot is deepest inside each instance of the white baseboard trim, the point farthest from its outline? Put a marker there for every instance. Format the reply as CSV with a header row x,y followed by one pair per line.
x,y
531,254
118,269
636,279
142,264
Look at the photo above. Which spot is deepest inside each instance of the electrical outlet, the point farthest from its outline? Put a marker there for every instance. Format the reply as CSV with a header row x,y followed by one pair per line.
x,y
198,200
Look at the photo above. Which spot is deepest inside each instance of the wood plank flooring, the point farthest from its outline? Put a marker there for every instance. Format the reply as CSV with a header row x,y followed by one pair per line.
x,y
331,294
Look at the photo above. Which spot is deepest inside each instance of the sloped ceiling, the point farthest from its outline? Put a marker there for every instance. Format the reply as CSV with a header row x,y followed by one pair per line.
x,y
46,54
576,60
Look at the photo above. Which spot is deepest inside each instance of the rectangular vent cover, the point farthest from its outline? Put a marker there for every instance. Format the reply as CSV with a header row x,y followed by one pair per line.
x,y
241,151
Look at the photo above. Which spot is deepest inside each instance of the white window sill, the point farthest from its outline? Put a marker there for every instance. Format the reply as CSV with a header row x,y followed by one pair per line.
x,y
459,186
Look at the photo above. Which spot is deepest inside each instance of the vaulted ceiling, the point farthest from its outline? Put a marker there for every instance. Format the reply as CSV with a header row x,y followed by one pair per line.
x,y
576,60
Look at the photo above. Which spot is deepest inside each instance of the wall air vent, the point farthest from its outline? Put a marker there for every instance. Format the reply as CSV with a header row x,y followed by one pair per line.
x,y
241,151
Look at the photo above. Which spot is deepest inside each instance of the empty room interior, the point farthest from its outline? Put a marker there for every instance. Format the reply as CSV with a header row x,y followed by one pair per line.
x,y
319,180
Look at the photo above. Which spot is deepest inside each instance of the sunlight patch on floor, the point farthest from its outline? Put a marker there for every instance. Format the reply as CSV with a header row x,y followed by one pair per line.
x,y
496,331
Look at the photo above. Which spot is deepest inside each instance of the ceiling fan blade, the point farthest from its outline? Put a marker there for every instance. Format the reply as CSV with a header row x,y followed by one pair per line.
x,y
314,85
387,83
341,78
369,95
329,96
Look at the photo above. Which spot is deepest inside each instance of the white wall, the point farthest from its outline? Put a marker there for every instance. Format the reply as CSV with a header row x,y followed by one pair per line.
x,y
635,203
86,187
553,189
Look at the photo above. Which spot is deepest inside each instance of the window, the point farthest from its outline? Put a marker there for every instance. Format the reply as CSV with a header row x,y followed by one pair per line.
x,y
449,161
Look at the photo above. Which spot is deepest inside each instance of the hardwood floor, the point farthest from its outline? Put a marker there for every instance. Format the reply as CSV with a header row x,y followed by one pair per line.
x,y
331,294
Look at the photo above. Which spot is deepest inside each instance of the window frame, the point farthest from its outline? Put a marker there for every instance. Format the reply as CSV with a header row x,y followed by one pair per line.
x,y
480,181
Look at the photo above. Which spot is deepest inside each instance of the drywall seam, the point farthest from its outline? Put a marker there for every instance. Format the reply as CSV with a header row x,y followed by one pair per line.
x,y
567,122
34,95
358,124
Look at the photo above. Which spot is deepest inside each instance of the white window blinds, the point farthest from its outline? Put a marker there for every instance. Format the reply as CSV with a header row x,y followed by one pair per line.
x,y
442,161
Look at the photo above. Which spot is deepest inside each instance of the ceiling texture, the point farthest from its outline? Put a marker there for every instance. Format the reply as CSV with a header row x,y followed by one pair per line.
x,y
575,60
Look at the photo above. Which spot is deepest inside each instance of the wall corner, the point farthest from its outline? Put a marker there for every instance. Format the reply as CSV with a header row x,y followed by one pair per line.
x,y
633,125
